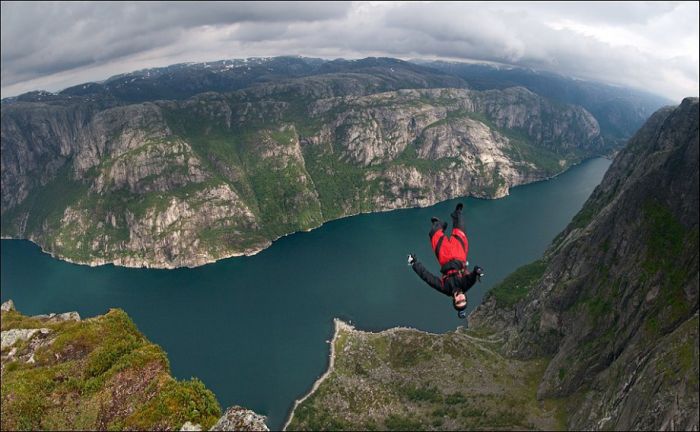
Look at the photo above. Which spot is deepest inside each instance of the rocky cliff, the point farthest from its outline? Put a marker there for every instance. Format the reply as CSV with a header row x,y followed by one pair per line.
x,y
173,183
617,306
601,333
63,373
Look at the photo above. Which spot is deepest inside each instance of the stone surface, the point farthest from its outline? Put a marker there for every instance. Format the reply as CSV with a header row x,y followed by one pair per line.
x,y
188,426
52,317
240,419
12,336
7,306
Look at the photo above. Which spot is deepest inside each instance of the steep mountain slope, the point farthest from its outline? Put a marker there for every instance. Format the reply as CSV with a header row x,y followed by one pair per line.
x,y
182,183
617,306
610,313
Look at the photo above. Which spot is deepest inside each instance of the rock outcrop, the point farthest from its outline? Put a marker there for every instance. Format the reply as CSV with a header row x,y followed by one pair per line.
x,y
240,419
61,373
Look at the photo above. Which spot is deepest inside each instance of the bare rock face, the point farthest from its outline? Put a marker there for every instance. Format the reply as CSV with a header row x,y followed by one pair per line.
x,y
52,317
240,419
12,336
158,166
163,237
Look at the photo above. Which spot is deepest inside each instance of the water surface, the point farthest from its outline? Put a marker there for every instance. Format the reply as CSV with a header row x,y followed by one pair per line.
x,y
255,329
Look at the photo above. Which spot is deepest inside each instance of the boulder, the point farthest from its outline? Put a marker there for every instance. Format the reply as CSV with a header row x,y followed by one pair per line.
x,y
189,426
7,306
240,419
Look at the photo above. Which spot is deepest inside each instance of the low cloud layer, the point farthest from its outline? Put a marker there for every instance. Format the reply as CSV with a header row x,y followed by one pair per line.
x,y
651,46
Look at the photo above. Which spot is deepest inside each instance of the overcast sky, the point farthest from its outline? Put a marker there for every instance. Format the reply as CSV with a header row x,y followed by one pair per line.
x,y
651,46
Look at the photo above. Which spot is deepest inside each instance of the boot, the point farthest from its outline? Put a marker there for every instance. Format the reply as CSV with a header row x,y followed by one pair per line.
x,y
458,210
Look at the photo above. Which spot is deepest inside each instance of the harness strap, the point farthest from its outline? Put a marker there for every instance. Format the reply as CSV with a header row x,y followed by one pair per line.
x,y
452,273
460,241
438,246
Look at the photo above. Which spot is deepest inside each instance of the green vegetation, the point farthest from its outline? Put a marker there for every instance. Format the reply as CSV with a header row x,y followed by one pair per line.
x,y
516,285
46,204
98,374
460,382
679,362
668,245
402,423
427,394
339,184
584,216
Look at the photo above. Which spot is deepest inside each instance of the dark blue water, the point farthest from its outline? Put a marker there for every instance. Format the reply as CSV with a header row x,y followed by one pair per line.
x,y
254,329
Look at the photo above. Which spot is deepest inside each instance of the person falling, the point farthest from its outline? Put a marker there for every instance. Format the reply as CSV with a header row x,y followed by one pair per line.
x,y
451,252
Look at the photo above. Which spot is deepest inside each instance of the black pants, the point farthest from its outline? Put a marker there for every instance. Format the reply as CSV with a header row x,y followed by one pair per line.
x,y
457,222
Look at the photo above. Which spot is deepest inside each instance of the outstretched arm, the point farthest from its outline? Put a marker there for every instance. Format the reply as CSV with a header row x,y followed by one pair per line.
x,y
429,278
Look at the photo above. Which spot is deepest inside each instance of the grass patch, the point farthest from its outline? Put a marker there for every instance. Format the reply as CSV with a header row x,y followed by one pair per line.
x,y
402,423
516,285
422,394
668,244
176,403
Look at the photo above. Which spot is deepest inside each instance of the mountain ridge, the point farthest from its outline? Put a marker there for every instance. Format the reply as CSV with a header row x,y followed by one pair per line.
x,y
183,183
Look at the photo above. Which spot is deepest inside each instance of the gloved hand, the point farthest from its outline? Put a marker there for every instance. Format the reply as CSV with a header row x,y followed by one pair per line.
x,y
479,273
411,259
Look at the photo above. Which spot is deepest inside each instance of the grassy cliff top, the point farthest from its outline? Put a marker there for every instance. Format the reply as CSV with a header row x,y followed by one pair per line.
x,y
404,379
96,374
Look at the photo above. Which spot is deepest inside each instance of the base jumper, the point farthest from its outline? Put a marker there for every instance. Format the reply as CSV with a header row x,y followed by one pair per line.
x,y
451,252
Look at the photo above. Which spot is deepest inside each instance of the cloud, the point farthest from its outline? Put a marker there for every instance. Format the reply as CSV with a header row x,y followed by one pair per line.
x,y
40,38
652,46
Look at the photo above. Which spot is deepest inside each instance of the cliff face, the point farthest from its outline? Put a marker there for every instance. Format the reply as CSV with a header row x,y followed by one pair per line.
x,y
183,183
617,306
602,331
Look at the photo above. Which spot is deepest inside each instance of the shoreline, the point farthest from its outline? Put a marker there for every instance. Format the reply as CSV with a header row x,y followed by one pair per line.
x,y
269,243
339,325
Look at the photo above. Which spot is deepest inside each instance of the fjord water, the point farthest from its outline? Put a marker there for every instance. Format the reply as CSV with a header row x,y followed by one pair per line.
x,y
254,329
